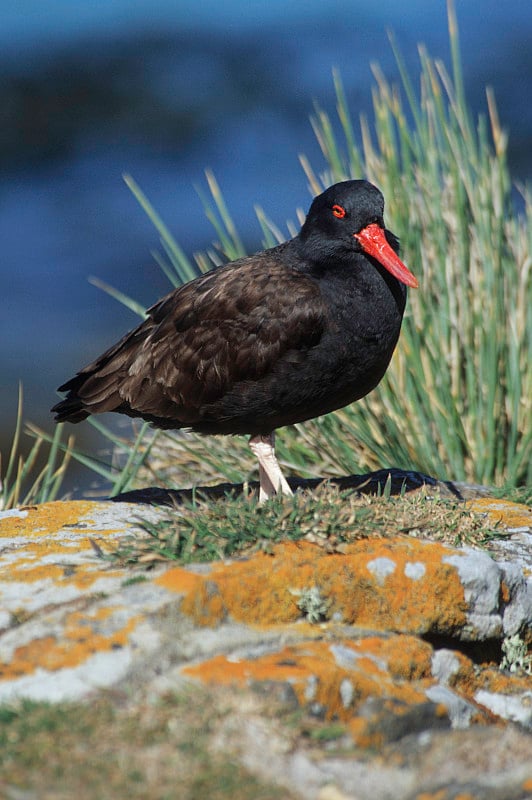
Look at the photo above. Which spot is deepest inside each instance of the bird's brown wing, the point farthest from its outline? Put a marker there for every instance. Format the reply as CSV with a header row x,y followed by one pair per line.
x,y
232,325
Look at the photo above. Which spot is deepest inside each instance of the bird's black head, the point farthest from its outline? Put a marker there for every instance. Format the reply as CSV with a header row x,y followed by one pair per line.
x,y
348,218
340,212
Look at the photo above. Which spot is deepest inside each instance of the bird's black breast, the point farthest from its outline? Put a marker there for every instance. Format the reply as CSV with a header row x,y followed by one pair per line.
x,y
331,365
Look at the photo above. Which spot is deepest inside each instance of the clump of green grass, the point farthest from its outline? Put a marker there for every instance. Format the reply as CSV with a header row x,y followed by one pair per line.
x,y
38,475
458,397
25,479
207,531
517,494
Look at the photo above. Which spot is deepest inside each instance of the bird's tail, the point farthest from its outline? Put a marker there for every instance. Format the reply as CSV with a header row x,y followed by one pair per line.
x,y
72,408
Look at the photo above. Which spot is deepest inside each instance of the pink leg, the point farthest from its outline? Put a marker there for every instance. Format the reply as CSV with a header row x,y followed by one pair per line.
x,y
271,479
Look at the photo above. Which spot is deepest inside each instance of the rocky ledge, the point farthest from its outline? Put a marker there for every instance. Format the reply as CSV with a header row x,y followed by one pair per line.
x,y
394,644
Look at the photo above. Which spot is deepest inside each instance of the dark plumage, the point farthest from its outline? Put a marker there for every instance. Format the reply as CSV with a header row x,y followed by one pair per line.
x,y
269,340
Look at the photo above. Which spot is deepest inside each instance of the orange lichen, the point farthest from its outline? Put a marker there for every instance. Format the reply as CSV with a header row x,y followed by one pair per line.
x,y
262,590
48,536
35,573
29,567
81,575
504,512
205,605
37,550
505,593
180,580
79,640
408,658
46,518
221,670
493,680
311,664
364,735
252,591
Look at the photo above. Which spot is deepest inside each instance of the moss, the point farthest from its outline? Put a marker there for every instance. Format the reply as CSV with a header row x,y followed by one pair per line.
x,y
158,750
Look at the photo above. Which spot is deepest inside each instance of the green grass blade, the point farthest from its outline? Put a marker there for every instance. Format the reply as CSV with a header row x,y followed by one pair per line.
x,y
186,269
122,298
13,454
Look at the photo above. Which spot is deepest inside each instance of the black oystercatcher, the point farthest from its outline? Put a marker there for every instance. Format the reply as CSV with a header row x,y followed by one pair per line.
x,y
276,338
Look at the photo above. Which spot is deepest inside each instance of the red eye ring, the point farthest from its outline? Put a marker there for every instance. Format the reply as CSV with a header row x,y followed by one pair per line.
x,y
338,211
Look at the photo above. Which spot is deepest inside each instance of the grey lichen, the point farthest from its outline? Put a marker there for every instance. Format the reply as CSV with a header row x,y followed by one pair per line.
x,y
312,603
516,657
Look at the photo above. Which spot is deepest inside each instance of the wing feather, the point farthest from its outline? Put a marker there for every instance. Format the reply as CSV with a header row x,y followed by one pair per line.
x,y
229,327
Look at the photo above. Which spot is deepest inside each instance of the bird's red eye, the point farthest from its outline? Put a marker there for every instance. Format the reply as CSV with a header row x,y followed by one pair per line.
x,y
338,211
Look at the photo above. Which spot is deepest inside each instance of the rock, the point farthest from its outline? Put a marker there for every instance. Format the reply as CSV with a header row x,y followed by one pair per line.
x,y
369,483
399,660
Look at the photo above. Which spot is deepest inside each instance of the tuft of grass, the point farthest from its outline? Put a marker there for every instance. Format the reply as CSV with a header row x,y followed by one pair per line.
x,y
134,580
457,399
24,479
206,531
130,454
328,733
517,494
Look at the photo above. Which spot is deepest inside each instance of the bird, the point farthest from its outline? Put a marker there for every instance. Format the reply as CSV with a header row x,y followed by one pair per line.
x,y
272,339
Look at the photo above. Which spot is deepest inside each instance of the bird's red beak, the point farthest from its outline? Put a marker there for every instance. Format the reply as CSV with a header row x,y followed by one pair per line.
x,y
373,242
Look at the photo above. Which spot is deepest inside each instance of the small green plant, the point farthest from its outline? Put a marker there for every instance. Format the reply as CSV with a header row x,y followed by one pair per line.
x,y
328,733
134,580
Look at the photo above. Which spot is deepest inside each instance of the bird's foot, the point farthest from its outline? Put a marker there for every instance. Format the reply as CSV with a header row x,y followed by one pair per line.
x,y
271,478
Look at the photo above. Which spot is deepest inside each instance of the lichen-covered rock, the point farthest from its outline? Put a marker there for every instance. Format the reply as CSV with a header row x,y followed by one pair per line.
x,y
401,584
393,638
